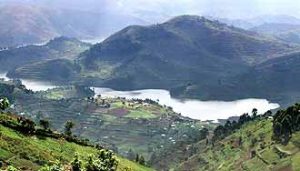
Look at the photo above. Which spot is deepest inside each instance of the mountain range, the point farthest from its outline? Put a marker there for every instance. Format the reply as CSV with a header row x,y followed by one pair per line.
x,y
191,56
34,24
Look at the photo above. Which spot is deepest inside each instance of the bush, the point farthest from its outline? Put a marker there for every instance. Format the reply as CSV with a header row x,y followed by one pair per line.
x,y
104,161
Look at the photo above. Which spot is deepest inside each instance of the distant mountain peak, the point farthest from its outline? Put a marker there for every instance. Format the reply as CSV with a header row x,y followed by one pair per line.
x,y
62,41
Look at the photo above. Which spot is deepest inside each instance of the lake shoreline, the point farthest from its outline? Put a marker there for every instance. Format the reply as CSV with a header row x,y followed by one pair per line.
x,y
193,108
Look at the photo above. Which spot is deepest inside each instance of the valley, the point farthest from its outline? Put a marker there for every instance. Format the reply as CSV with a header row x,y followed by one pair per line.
x,y
137,126
192,108
226,75
128,85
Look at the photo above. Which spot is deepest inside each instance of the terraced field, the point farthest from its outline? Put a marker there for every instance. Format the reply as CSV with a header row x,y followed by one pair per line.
x,y
256,151
31,152
120,124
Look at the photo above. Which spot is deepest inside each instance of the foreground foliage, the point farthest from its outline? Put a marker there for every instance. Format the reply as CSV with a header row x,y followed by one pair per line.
x,y
253,143
32,151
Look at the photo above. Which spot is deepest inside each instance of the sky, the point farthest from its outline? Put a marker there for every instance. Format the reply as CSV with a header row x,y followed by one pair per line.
x,y
218,8
162,8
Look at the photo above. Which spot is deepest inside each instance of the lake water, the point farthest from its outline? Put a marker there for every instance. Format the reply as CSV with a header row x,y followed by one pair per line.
x,y
32,84
196,109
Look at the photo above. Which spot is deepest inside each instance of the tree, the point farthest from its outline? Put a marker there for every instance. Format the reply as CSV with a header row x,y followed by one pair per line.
x,y
254,113
130,154
268,113
4,103
203,133
104,161
137,158
68,126
244,118
142,160
27,125
45,124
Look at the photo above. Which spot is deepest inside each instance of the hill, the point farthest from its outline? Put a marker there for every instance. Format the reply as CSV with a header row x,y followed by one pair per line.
x,y
127,126
254,146
177,55
60,47
31,152
285,32
275,79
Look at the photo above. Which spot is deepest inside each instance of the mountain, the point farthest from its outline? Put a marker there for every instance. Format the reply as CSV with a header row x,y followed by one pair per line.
x,y
192,56
181,52
285,32
24,24
276,78
60,47
249,23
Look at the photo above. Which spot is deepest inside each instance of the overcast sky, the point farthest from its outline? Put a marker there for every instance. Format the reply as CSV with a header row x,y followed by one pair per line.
x,y
218,8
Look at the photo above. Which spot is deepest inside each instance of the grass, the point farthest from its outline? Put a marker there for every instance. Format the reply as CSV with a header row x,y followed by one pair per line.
x,y
140,114
31,152
256,136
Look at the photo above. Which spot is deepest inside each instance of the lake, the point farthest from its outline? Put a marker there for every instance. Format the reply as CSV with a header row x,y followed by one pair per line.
x,y
196,109
32,84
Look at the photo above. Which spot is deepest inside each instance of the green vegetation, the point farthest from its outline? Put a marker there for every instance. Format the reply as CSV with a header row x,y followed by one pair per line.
x,y
24,151
67,92
108,121
286,122
58,48
140,114
4,104
178,55
252,145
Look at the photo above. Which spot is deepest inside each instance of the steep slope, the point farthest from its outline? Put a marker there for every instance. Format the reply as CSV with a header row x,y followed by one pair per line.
x,y
191,56
31,152
127,126
275,79
61,47
185,51
62,70
248,148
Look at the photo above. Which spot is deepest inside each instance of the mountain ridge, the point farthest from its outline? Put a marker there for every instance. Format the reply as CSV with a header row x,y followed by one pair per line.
x,y
191,56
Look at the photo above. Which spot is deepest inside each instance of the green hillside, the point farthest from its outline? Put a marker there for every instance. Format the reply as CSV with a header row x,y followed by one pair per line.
x,y
31,152
191,56
129,127
57,48
252,147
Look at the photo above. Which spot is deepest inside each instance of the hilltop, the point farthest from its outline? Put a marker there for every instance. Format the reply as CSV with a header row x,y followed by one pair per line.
x,y
57,48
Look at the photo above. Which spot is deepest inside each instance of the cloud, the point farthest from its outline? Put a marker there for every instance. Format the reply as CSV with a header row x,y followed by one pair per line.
x,y
220,8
